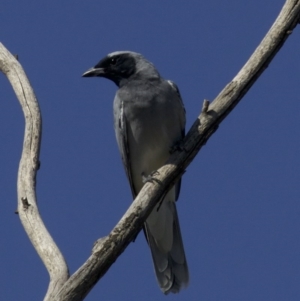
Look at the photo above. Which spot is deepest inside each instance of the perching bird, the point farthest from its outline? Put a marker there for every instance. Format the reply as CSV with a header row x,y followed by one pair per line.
x,y
149,120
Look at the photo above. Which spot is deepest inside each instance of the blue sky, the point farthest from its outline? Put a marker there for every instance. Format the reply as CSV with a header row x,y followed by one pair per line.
x,y
239,205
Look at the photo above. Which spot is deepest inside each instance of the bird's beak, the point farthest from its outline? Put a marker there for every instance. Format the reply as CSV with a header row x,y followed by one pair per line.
x,y
94,72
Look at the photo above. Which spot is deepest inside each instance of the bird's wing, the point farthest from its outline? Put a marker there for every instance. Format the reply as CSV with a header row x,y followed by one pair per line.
x,y
122,139
175,87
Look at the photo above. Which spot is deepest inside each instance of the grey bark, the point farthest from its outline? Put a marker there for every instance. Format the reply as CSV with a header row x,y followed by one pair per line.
x,y
29,164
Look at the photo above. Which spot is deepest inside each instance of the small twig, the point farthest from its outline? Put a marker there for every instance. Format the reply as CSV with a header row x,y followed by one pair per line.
x,y
205,106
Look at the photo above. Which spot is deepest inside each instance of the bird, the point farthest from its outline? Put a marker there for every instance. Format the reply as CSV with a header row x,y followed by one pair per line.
x,y
149,120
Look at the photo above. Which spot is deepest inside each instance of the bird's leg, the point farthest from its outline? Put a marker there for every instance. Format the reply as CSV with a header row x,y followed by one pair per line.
x,y
150,178
160,203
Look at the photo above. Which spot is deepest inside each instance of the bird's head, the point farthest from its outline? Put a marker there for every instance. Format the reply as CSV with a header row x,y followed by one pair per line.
x,y
119,66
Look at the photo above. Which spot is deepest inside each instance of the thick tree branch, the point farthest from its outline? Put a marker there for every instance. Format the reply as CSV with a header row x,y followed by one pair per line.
x,y
107,249
29,164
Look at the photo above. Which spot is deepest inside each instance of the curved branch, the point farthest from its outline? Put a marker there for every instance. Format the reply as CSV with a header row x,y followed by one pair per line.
x,y
29,164
107,249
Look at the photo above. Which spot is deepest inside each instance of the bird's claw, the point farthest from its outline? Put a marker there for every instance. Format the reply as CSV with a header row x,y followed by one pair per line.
x,y
176,147
150,178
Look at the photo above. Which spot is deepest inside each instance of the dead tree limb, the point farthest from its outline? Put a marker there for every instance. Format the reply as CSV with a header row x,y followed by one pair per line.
x,y
29,164
107,249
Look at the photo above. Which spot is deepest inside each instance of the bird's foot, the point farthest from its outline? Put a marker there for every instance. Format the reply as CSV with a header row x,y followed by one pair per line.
x,y
176,147
150,178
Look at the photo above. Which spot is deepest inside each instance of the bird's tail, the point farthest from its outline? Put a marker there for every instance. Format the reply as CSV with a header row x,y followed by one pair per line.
x,y
165,241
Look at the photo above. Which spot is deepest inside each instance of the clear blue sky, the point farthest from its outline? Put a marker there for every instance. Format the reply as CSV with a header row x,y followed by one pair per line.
x,y
239,205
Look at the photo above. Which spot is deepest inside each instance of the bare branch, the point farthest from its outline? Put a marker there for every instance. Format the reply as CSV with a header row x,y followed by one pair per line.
x,y
109,248
29,164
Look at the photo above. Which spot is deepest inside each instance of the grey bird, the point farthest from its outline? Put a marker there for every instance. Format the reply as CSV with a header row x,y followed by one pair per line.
x,y
149,120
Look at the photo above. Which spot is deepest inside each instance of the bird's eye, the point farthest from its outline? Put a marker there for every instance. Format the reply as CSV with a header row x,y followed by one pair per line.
x,y
113,61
